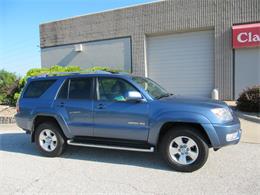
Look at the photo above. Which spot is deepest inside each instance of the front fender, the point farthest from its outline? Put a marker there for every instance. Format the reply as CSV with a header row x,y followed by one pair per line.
x,y
160,119
59,119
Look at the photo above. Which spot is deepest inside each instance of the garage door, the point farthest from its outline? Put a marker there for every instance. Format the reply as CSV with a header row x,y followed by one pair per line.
x,y
183,63
247,69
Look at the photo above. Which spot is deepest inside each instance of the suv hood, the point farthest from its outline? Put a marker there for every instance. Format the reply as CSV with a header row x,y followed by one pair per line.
x,y
194,101
202,106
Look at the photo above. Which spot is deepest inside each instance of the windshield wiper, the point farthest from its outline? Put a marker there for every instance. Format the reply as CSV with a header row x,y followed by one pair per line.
x,y
164,95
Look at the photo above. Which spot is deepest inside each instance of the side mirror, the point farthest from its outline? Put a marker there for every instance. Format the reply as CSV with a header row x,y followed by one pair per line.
x,y
134,96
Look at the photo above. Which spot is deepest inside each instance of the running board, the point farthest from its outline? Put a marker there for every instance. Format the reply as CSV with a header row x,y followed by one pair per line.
x,y
71,142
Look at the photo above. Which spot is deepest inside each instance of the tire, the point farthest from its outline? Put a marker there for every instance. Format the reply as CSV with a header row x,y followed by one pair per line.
x,y
49,140
181,158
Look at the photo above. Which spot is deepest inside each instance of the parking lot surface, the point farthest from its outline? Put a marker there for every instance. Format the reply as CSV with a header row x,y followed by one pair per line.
x,y
231,170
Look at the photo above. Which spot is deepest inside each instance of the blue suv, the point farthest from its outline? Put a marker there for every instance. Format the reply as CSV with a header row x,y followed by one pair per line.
x,y
124,112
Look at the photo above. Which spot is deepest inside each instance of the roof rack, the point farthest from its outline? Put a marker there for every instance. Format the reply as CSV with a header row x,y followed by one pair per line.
x,y
101,72
56,74
71,73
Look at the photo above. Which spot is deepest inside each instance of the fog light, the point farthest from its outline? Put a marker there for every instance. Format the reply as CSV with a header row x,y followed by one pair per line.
x,y
232,136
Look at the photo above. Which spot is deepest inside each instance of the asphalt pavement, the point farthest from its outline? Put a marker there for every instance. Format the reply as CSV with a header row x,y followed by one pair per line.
x,y
231,170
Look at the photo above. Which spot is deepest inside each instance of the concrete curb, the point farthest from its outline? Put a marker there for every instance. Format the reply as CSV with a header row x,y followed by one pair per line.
x,y
7,120
249,117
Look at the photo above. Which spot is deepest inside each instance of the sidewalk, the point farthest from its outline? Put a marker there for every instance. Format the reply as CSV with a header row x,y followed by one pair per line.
x,y
250,131
9,127
7,110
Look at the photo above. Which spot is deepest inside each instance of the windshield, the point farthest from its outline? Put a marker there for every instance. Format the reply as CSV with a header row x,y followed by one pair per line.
x,y
151,87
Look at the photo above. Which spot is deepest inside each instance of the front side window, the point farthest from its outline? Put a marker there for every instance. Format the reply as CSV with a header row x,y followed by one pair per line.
x,y
37,88
113,89
80,88
151,87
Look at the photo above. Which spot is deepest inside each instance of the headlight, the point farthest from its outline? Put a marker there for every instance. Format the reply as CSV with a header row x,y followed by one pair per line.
x,y
222,114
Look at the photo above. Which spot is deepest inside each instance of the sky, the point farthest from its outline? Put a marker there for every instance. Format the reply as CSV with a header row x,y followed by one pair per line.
x,y
19,26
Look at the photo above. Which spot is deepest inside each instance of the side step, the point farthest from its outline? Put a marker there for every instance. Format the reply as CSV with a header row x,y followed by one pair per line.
x,y
92,145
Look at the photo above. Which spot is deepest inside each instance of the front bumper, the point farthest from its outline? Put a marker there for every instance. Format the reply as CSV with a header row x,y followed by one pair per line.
x,y
228,134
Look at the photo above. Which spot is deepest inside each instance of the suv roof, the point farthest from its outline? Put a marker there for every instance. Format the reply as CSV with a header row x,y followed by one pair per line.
x,y
75,74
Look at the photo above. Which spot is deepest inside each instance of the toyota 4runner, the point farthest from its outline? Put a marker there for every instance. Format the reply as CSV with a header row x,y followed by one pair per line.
x,y
123,112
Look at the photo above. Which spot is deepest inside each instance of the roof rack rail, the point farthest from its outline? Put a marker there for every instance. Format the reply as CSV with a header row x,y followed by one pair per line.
x,y
71,73
56,74
101,72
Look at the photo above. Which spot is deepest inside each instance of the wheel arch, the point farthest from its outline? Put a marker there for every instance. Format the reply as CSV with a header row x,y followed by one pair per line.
x,y
196,126
40,119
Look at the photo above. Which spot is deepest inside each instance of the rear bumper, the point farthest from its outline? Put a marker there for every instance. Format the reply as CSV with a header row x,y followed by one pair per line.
x,y
23,122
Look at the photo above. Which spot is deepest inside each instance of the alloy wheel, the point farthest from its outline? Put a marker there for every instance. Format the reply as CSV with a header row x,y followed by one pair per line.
x,y
183,150
48,140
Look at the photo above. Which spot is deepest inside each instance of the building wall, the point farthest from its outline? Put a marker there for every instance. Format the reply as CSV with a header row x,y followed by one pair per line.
x,y
162,17
115,53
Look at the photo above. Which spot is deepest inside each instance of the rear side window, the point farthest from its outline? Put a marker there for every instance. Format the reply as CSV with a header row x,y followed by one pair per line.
x,y
80,88
36,88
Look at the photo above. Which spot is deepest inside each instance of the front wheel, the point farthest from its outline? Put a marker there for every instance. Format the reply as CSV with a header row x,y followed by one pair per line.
x,y
184,149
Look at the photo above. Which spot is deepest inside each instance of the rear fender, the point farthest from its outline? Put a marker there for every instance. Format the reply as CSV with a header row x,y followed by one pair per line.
x,y
59,119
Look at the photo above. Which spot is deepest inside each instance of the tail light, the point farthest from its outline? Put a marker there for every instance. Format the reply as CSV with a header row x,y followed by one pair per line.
x,y
17,108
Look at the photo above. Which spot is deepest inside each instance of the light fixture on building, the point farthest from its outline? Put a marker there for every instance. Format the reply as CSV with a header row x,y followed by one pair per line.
x,y
78,48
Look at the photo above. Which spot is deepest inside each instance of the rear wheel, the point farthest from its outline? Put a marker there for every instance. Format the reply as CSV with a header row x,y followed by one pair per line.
x,y
184,149
49,140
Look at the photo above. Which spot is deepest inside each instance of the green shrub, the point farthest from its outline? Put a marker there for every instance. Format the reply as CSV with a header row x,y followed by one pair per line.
x,y
249,100
102,68
8,87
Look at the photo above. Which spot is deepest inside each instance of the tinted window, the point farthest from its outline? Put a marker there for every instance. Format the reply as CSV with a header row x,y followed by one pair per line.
x,y
80,88
63,94
114,89
36,88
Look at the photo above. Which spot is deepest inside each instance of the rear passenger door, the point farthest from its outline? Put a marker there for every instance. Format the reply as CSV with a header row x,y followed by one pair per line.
x,y
75,104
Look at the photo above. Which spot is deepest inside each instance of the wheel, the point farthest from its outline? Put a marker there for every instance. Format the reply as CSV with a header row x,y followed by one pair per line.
x,y
184,149
49,140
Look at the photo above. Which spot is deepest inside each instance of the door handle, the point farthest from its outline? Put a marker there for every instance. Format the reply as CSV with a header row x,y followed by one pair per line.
x,y
61,104
101,106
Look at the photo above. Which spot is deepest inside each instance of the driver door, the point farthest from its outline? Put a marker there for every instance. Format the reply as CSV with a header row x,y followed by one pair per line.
x,y
114,117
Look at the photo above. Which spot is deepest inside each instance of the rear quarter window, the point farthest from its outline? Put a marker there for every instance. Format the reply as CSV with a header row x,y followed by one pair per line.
x,y
36,88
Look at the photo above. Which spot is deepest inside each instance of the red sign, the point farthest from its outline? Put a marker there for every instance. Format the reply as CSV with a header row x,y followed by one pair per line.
x,y
246,35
